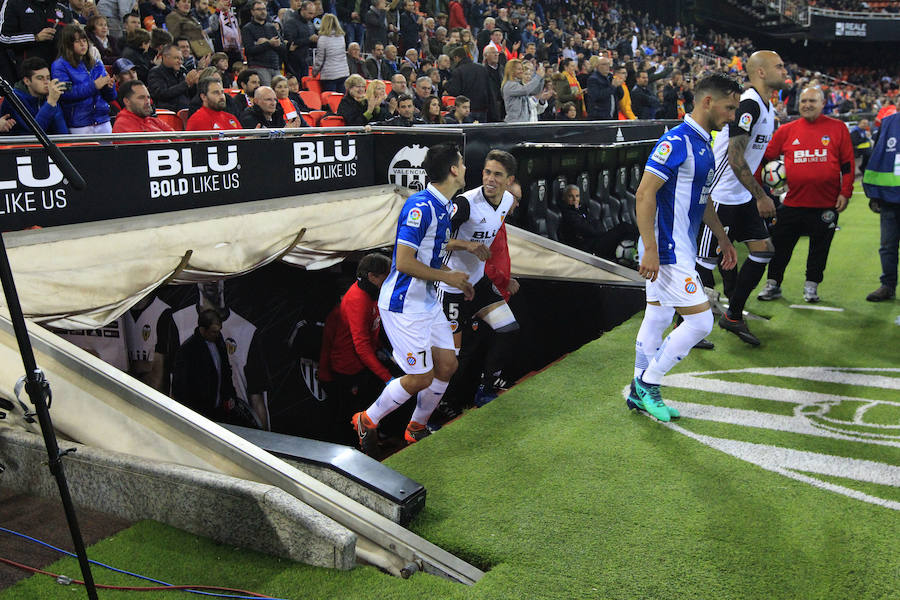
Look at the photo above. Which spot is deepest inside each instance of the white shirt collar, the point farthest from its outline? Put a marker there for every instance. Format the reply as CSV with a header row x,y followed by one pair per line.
x,y
696,127
438,195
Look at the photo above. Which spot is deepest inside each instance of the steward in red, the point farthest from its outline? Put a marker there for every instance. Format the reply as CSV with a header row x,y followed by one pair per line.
x,y
136,116
819,162
212,115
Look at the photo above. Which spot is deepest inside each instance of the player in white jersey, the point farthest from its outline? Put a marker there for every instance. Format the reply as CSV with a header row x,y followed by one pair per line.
x,y
671,203
477,216
739,199
410,313
143,323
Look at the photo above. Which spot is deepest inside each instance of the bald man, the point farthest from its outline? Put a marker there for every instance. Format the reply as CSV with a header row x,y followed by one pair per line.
x,y
818,160
739,199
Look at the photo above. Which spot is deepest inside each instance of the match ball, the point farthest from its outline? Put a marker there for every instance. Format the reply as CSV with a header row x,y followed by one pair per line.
x,y
626,253
774,175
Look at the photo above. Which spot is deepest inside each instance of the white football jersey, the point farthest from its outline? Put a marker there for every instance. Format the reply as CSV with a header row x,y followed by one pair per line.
x,y
479,221
140,331
755,117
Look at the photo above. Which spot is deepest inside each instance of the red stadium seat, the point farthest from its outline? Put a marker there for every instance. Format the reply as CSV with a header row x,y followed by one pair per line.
x,y
332,121
312,84
331,99
170,118
316,116
312,100
388,87
308,118
184,114
233,91
448,101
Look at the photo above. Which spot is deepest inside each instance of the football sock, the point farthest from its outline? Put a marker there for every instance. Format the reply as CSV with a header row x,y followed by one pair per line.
x,y
392,397
704,270
729,279
677,345
427,400
656,320
502,348
749,277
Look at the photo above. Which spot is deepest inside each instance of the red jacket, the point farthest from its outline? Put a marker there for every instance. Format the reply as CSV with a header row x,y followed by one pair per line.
x,y
457,16
207,119
128,122
498,266
350,336
818,160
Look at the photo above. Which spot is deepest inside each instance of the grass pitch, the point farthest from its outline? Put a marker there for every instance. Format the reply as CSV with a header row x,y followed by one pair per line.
x,y
560,492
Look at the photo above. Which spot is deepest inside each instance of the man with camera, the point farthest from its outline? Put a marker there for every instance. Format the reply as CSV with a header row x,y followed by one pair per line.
x,y
40,94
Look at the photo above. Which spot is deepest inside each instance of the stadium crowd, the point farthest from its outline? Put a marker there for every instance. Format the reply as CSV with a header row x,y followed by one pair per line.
x,y
536,60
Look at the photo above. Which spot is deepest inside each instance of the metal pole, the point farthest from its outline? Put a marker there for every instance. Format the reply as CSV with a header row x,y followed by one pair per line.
x,y
37,387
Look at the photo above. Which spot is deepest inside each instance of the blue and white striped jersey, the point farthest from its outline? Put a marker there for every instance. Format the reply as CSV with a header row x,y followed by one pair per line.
x,y
683,159
424,225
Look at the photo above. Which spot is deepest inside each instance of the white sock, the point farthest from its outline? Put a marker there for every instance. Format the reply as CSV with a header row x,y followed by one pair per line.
x,y
392,397
656,320
678,344
428,400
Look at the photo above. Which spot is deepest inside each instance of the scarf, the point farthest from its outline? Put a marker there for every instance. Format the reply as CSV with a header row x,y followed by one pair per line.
x,y
573,85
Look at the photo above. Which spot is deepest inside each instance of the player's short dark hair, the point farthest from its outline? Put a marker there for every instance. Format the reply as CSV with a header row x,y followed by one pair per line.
x,y
717,85
375,263
208,317
506,160
32,64
245,75
439,159
126,90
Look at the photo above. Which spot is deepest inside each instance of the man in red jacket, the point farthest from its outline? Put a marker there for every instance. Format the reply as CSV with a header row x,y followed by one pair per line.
x,y
212,115
349,369
137,116
818,160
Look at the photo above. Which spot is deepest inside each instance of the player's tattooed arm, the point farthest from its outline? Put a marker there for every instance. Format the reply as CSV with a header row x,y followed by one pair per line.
x,y
737,145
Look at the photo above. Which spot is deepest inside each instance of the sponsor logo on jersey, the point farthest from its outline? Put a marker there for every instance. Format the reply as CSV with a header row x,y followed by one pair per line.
x,y
663,150
745,122
414,218
825,140
410,359
689,286
866,416
891,143
796,142
811,156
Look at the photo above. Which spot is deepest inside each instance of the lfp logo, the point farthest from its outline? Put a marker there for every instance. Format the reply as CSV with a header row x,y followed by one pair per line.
x,y
847,420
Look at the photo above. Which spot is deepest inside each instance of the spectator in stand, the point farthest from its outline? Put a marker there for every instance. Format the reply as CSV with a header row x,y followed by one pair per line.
x,y
157,10
361,106
115,12
248,81
159,38
678,100
567,87
300,37
225,31
398,86
181,24
98,33
130,22
348,14
212,115
377,67
578,230
29,28
567,112
643,102
40,94
495,76
349,368
292,108
355,62
460,113
137,51
624,106
472,80
422,91
820,188
436,43
262,43
85,105
197,102
604,92
390,55
861,138
410,25
188,60
266,112
170,86
376,25
406,114
330,64
457,15
136,115
411,60
517,92
431,111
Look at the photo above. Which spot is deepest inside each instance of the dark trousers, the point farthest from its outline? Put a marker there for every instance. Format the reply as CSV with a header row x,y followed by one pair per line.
x,y
890,240
792,223
348,394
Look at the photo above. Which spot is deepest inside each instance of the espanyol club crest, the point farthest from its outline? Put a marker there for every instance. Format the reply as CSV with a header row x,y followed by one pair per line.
x,y
689,286
410,359
861,416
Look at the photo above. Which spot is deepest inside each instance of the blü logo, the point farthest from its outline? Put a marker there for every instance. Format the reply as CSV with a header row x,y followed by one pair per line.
x,y
186,170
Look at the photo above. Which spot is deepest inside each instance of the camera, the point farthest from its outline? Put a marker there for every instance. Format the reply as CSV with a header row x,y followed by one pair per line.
x,y
66,86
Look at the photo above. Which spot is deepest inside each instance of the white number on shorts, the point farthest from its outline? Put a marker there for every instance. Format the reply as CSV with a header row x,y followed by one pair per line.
x,y
453,309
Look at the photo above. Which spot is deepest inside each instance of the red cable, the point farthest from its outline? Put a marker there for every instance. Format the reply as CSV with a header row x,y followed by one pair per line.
x,y
135,589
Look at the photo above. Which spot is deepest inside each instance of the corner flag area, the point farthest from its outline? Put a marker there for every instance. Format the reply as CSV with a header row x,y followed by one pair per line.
x,y
781,479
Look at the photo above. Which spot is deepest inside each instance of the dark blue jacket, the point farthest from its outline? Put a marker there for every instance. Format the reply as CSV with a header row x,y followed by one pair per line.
x,y
602,98
50,118
84,104
881,179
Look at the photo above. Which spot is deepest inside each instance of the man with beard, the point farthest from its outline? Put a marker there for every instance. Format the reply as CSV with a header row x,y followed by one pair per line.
x,y
137,114
212,115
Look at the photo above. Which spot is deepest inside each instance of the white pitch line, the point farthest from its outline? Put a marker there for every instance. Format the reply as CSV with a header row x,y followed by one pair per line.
x,y
750,390
822,308
829,376
760,420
